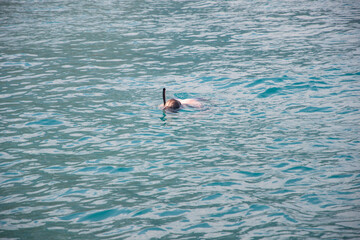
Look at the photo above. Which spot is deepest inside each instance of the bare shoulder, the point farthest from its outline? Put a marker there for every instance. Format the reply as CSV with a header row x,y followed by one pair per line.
x,y
191,103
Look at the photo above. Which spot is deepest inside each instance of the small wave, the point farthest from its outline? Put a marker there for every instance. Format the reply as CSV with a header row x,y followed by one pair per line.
x,y
46,122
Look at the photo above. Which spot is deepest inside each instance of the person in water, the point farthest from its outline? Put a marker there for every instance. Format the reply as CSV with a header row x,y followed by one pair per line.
x,y
174,105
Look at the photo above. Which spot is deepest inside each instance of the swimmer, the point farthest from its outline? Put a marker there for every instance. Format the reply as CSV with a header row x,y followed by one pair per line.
x,y
174,105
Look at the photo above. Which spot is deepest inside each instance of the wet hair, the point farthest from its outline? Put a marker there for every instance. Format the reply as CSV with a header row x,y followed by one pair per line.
x,y
171,104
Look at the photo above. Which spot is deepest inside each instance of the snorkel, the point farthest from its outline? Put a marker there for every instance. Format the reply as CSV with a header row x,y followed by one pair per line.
x,y
164,99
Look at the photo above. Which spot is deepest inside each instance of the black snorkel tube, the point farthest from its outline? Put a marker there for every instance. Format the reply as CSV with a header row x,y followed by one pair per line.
x,y
164,99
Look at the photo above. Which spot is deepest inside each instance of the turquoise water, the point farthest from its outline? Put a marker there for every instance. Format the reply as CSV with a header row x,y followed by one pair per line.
x,y
87,154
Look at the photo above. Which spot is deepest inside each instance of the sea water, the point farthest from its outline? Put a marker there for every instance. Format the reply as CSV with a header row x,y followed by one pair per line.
x,y
87,154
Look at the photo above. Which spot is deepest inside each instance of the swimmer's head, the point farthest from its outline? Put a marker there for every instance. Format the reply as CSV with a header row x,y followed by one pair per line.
x,y
172,105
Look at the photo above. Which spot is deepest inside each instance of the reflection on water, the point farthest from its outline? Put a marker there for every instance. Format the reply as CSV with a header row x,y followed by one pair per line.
x,y
87,153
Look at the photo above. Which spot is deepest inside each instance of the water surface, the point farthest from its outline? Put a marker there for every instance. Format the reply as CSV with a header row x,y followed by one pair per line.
x,y
87,154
